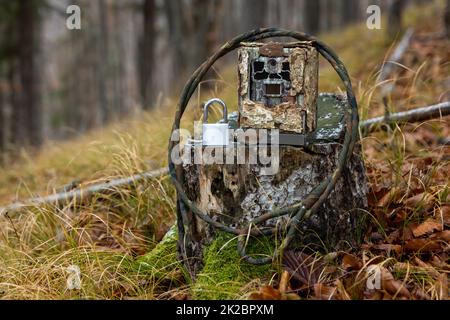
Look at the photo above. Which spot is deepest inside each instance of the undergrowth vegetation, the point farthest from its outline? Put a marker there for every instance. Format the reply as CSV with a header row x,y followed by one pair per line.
x,y
107,236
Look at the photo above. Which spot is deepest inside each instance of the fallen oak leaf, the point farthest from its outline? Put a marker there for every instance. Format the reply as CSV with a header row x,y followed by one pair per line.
x,y
443,213
443,235
342,291
373,295
442,287
425,200
266,293
393,195
404,267
284,281
392,286
407,233
306,269
427,227
437,262
270,293
397,249
419,294
394,236
422,245
324,292
427,267
350,262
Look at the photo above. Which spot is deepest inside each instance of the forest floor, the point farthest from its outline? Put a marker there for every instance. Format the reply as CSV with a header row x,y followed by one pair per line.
x,y
42,248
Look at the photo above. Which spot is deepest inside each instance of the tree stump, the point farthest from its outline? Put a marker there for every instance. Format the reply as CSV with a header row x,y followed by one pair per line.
x,y
235,194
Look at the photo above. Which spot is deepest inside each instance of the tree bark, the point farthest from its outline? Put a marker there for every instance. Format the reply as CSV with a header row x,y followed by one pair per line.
x,y
395,18
447,19
236,194
177,25
254,14
102,62
2,117
27,110
349,12
147,54
312,16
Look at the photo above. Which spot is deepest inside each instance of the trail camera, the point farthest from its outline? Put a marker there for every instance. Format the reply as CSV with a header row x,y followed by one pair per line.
x,y
278,85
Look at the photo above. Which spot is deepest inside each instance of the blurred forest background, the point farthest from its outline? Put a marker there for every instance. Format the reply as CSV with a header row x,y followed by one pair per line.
x,y
129,55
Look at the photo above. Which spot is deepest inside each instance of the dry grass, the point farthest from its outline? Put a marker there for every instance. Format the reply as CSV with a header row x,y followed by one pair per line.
x,y
104,235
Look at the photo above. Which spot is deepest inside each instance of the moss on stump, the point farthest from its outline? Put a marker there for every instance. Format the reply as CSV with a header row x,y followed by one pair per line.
x,y
224,275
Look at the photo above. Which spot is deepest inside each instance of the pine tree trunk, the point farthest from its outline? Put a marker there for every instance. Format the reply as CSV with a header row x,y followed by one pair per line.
x,y
395,18
447,19
27,111
2,118
147,54
312,16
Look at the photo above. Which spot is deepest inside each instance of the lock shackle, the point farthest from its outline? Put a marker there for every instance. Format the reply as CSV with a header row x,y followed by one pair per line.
x,y
210,103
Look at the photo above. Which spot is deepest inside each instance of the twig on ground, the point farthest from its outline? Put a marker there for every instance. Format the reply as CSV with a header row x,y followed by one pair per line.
x,y
390,65
83,193
415,115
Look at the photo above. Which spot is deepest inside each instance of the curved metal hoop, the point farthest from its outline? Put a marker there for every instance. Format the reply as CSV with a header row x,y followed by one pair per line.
x,y
317,196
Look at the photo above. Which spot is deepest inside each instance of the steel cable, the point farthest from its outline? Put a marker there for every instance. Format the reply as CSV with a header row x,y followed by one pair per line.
x,y
316,197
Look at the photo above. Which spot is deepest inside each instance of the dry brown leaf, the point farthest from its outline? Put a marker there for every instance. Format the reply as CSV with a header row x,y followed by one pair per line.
x,y
373,295
394,236
324,292
284,281
270,293
304,268
407,233
401,214
342,291
179,296
444,236
439,263
397,249
419,294
392,196
422,245
405,267
429,269
392,286
429,226
350,262
442,287
443,213
424,199
266,293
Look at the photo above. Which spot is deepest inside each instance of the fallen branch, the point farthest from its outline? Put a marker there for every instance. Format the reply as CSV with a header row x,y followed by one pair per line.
x,y
390,65
394,59
415,115
79,194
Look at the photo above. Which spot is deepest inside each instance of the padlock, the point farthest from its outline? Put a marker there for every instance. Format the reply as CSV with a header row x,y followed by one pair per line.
x,y
215,134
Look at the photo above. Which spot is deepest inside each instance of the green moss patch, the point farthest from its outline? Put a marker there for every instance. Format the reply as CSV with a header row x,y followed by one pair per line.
x,y
162,262
225,274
